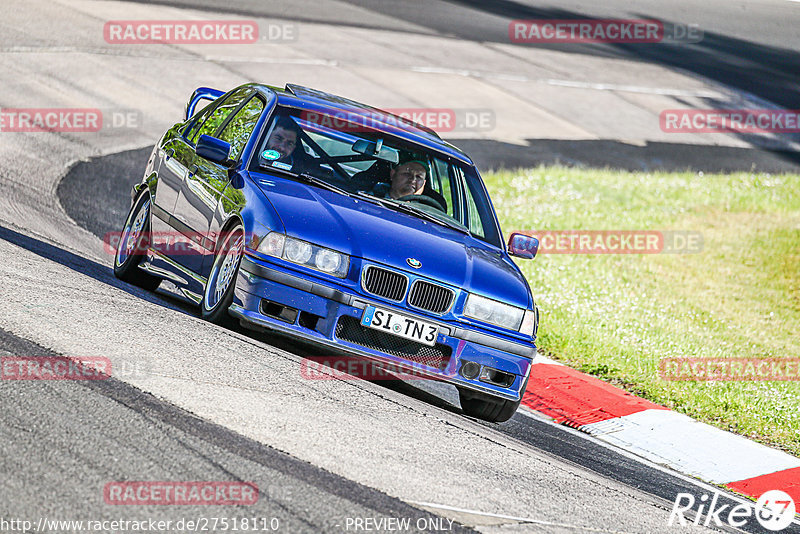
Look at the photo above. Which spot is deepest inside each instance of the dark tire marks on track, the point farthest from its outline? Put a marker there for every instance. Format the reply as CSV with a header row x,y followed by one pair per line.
x,y
88,433
560,442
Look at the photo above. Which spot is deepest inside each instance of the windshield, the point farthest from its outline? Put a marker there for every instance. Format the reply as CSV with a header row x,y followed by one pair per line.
x,y
357,159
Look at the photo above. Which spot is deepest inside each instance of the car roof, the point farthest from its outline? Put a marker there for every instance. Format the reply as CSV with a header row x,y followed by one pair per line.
x,y
298,96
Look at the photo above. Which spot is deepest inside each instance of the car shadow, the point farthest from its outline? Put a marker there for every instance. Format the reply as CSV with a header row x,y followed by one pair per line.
x,y
85,266
390,381
104,274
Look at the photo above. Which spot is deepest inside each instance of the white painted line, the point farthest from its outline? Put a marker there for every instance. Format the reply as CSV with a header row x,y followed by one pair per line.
x,y
473,73
572,83
274,60
634,89
691,447
125,52
508,517
691,481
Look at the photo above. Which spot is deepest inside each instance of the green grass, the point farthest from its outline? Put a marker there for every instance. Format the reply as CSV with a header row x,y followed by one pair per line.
x,y
616,316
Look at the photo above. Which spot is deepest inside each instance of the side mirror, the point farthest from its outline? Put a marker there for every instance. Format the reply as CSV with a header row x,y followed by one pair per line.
x,y
523,246
213,149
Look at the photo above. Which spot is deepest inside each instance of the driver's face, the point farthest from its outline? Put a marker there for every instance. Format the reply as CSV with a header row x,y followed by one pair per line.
x,y
283,141
407,179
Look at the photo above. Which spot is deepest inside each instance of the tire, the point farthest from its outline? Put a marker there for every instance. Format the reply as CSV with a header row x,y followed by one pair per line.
x,y
488,408
133,244
218,294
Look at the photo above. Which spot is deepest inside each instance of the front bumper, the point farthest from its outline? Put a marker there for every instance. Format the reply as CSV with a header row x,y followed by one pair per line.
x,y
329,317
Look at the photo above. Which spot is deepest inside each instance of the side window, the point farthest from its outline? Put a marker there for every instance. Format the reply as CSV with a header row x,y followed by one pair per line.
x,y
238,130
443,185
475,223
221,113
197,120
481,217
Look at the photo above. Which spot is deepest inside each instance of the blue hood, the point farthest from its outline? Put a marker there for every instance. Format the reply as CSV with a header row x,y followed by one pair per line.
x,y
366,230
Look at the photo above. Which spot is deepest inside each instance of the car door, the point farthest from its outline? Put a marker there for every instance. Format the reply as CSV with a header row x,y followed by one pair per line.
x,y
200,189
171,171
238,131
175,154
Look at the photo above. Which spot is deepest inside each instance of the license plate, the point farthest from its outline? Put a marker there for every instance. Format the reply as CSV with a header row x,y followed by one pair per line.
x,y
400,325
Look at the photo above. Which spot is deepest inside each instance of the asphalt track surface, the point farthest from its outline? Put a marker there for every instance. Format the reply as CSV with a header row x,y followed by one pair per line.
x,y
752,46
64,441
89,179
118,429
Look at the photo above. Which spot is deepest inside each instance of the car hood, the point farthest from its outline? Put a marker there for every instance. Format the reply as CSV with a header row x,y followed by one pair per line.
x,y
381,235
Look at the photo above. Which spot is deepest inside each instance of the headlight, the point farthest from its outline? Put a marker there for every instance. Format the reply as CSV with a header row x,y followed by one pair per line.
x,y
328,260
494,312
297,251
303,253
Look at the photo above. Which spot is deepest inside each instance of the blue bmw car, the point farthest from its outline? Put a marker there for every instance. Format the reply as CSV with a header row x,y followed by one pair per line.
x,y
356,230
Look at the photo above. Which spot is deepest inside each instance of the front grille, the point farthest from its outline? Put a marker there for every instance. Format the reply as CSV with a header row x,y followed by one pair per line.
x,y
385,283
350,329
430,297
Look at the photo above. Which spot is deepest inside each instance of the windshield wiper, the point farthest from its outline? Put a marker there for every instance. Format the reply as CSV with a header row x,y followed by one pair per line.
x,y
372,198
311,179
411,210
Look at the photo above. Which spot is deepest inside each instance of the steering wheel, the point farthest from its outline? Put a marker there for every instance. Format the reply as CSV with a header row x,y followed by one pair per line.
x,y
424,199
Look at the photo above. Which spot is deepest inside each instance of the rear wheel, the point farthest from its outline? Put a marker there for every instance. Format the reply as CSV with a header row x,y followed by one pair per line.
x,y
133,244
488,408
218,294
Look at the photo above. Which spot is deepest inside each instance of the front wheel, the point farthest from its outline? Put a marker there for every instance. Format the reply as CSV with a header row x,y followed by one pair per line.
x,y
218,294
133,244
488,408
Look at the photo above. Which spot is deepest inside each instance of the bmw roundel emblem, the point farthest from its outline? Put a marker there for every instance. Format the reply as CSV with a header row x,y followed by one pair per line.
x,y
415,263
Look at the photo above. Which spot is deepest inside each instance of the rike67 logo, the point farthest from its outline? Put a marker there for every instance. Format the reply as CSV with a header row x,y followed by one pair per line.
x,y
774,511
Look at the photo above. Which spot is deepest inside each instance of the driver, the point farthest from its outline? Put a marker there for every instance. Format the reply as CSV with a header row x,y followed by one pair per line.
x,y
408,179
285,140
